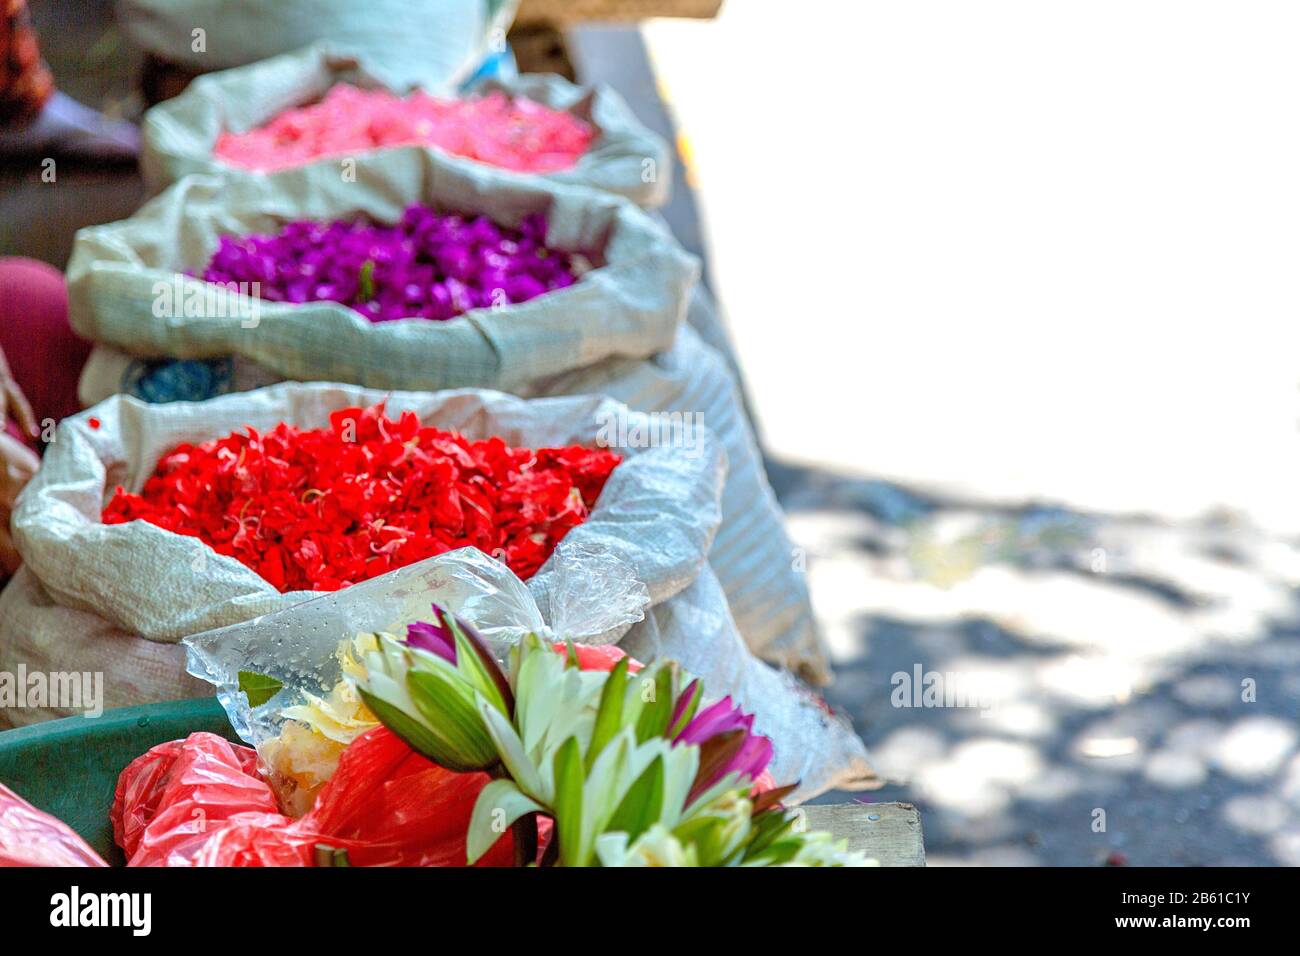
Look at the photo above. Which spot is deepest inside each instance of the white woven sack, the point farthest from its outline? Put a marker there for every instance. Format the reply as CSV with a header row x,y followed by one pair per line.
x,y
124,289
752,556
430,43
91,596
179,135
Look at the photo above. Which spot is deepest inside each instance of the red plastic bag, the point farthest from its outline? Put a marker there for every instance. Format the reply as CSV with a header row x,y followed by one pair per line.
x,y
29,837
200,802
390,806
173,798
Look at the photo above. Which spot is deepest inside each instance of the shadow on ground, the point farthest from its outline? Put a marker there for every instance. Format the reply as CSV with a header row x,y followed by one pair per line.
x,y
1102,688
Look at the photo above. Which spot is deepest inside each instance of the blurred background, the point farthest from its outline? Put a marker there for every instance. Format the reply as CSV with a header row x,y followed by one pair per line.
x,y
1005,281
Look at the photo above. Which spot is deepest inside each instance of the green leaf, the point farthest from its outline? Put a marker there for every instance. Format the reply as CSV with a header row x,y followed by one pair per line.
x,y
643,804
416,736
444,701
601,791
656,713
778,851
568,802
704,832
511,750
499,805
766,829
481,663
577,696
366,281
258,688
721,829
539,673
609,714
680,766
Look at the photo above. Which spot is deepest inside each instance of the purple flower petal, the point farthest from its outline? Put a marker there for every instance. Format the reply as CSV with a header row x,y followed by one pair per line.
x,y
750,759
433,637
715,719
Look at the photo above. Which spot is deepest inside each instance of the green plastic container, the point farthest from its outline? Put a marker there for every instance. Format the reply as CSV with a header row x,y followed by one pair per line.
x,y
69,768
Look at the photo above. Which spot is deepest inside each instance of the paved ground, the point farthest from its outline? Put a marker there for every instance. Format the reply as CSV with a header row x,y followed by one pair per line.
x,y
1145,670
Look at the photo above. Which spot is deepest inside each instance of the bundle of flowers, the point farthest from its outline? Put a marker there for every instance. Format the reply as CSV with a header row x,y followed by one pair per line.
x,y
429,265
509,132
320,509
624,766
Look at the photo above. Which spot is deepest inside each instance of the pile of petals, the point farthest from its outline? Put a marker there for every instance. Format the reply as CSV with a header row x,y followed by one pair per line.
x,y
515,134
319,509
430,265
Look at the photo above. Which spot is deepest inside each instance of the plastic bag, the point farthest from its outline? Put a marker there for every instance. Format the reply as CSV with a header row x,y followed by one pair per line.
x,y
29,837
299,647
389,806
171,799
200,802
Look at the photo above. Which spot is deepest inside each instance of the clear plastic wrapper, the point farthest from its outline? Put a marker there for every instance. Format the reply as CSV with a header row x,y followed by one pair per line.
x,y
300,648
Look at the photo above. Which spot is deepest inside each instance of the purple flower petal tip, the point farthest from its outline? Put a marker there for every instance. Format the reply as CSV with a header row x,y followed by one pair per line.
x,y
433,637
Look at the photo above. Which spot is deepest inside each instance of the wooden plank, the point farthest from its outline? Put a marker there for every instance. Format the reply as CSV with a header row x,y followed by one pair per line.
x,y
887,832
563,12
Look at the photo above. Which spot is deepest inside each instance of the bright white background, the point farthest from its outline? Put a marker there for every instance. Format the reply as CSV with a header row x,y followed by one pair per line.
x,y
1013,248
